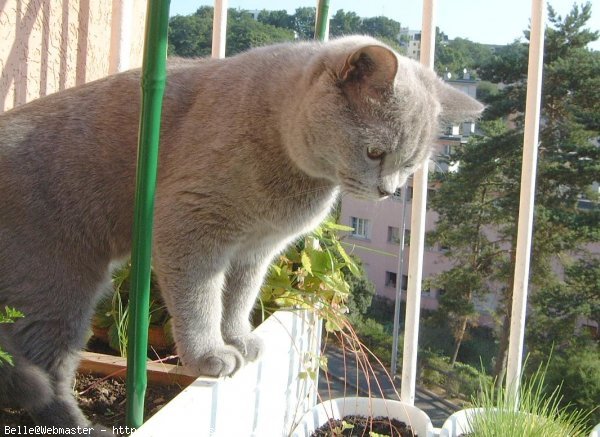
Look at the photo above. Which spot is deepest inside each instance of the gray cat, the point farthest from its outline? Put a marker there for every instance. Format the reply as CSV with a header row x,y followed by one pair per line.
x,y
254,151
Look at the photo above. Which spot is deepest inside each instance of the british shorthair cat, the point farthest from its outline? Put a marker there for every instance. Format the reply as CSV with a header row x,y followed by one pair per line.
x,y
254,151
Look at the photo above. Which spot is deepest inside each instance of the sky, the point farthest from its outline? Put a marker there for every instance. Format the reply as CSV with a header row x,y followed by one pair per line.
x,y
483,21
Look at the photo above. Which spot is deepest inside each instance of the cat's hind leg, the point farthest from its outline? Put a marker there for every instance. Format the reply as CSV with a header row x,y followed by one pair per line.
x,y
24,384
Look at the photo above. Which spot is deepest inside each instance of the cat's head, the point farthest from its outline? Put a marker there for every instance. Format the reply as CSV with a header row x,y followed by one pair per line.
x,y
367,117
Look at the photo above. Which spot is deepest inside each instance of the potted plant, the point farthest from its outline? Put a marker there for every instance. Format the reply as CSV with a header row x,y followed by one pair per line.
x,y
112,313
532,413
335,415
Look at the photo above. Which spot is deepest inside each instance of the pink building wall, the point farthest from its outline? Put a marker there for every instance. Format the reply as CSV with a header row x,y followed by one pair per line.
x,y
50,45
380,255
377,253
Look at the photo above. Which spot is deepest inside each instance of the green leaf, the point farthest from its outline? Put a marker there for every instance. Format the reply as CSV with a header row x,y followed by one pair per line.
x,y
10,314
5,357
338,227
349,261
306,262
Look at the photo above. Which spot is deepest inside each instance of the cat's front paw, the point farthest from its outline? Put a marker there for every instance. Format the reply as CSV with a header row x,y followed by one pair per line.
x,y
222,361
249,345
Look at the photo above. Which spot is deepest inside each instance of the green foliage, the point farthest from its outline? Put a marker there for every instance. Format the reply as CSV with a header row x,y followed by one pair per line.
x,y
244,32
558,308
311,275
381,27
484,194
376,337
344,23
362,291
112,312
191,35
536,413
276,18
304,20
578,372
459,54
8,316
458,379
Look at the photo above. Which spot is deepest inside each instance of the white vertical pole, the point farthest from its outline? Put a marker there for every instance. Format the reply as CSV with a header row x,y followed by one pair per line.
x,y
526,205
219,29
399,275
125,28
417,235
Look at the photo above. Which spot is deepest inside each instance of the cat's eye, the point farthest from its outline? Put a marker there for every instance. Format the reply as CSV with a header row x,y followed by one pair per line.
x,y
375,152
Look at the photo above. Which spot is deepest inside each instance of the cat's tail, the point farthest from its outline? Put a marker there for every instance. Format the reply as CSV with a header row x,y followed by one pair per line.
x,y
24,384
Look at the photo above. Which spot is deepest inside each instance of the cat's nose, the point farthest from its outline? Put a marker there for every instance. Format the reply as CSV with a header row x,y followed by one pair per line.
x,y
384,191
388,184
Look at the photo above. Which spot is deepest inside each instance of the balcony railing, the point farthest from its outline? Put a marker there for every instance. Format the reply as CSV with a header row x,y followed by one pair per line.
x,y
419,195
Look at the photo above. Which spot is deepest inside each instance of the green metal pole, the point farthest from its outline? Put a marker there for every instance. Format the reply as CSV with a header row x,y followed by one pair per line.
x,y
153,86
321,32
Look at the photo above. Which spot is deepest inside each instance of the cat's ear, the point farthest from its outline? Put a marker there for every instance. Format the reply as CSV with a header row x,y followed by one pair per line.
x,y
456,105
371,69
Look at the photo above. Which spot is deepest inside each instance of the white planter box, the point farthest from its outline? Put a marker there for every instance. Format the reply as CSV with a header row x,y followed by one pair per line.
x,y
459,422
263,399
340,407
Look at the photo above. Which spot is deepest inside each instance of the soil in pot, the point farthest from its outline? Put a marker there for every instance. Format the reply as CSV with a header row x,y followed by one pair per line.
x,y
359,426
102,400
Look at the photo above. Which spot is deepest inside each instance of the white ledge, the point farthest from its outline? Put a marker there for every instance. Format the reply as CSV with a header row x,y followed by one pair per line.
x,y
264,398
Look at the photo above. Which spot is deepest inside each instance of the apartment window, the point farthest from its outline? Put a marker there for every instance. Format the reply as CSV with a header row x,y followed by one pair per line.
x,y
393,235
404,282
407,237
361,227
390,279
409,193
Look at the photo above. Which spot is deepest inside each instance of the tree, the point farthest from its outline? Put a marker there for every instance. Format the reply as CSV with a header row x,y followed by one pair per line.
x,y
344,23
381,27
467,202
557,310
459,54
304,22
244,32
191,35
361,294
568,162
276,18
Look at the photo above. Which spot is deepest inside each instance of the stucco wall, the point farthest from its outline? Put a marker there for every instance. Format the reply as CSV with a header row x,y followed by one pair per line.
x,y
50,45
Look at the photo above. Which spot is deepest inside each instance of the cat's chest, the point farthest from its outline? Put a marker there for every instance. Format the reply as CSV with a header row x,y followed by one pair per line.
x,y
292,219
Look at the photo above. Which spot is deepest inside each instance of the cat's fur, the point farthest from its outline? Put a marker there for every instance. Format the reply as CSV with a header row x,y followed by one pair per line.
x,y
254,150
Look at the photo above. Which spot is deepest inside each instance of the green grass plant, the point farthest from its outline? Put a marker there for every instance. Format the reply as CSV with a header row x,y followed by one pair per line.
x,y
534,412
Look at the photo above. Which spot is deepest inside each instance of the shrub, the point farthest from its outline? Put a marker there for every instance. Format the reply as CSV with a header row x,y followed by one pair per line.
x,y
578,371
